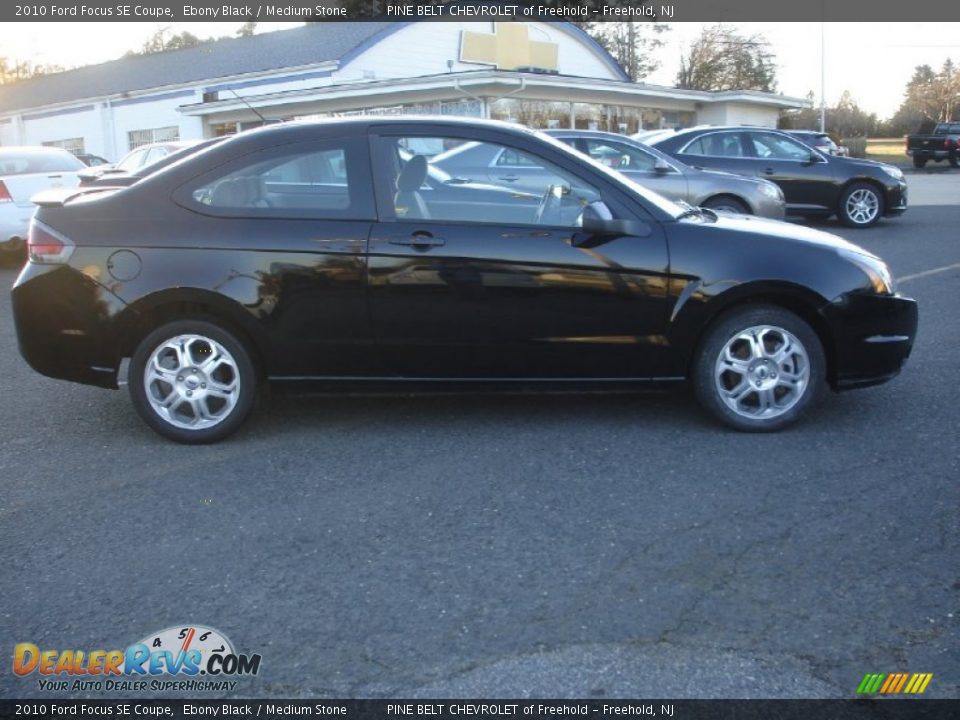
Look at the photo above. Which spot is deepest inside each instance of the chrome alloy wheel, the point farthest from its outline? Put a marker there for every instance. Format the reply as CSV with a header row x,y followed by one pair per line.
x,y
192,382
862,206
762,372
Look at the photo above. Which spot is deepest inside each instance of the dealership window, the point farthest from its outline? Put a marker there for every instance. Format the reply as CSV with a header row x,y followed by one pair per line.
x,y
315,180
74,145
136,138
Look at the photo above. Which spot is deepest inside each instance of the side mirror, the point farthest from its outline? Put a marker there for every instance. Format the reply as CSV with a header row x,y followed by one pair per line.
x,y
599,226
661,167
814,159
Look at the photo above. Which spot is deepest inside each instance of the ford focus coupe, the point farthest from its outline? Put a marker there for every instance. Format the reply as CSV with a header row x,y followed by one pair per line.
x,y
335,253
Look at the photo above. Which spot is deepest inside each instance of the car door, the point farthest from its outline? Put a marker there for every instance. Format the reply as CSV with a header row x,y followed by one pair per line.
x,y
638,165
460,288
719,150
296,219
802,173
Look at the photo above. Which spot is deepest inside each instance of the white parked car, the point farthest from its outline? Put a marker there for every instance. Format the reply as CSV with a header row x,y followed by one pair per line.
x,y
25,171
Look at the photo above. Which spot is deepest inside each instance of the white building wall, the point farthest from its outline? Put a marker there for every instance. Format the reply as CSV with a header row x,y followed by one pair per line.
x,y
37,131
729,113
424,49
148,115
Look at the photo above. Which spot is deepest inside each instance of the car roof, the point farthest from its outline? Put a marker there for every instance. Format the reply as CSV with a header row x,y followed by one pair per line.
x,y
10,150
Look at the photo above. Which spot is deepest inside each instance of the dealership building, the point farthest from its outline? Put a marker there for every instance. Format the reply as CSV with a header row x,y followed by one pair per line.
x,y
542,74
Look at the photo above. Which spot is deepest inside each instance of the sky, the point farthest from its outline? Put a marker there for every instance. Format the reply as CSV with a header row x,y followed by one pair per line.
x,y
873,61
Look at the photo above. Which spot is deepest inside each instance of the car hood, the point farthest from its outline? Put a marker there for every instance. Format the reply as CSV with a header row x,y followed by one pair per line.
x,y
859,162
780,230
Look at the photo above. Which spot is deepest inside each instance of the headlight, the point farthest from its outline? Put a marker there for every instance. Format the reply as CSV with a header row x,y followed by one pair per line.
x,y
894,172
771,190
874,268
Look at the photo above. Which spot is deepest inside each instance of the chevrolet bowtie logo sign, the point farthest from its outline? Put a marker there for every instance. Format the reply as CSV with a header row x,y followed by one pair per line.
x,y
509,47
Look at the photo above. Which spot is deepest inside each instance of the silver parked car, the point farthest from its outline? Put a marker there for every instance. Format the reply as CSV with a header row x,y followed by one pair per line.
x,y
25,171
481,162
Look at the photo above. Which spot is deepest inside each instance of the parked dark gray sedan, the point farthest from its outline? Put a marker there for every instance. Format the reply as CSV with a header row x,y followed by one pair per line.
x,y
640,163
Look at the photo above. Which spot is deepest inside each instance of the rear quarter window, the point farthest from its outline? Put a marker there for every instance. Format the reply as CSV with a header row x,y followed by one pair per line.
x,y
325,180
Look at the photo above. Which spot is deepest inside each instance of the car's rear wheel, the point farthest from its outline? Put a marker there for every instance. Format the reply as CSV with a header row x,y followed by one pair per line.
x,y
13,253
759,368
725,203
919,162
192,381
861,205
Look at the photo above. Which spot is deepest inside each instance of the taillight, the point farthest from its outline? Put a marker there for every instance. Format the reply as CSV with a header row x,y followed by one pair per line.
x,y
5,195
949,142
45,245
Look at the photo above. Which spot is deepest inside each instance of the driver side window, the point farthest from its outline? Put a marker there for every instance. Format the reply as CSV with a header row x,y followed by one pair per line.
x,y
470,182
776,147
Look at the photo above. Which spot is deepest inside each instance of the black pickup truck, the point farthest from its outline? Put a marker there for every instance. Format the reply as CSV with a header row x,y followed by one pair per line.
x,y
944,144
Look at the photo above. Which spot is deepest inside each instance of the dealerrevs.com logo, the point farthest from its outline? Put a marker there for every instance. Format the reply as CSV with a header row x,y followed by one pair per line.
x,y
182,653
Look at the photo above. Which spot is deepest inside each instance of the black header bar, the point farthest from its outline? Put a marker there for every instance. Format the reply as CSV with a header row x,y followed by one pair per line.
x,y
578,10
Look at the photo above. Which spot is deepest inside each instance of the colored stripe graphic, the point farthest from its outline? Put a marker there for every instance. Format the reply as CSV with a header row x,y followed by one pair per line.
x,y
894,683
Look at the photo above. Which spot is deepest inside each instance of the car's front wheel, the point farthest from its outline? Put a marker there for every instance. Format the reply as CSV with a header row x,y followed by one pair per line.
x,y
919,162
758,368
725,203
861,205
192,381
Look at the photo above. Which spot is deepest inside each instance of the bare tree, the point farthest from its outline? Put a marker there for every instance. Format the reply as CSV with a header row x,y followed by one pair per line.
x,y
723,59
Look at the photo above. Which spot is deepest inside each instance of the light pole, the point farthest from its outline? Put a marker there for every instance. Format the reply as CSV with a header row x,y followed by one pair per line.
x,y
823,78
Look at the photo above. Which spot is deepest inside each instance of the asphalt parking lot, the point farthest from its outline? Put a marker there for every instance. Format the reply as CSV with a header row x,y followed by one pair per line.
x,y
478,546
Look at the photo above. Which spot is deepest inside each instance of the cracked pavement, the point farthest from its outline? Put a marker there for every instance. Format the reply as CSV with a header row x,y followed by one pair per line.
x,y
509,546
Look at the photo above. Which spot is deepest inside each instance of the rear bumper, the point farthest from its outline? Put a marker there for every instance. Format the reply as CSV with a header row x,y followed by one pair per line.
x,y
14,223
930,154
63,321
873,337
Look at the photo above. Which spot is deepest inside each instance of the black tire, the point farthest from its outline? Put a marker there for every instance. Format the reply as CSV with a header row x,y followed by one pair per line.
x,y
854,218
708,381
919,162
726,203
954,159
236,363
13,253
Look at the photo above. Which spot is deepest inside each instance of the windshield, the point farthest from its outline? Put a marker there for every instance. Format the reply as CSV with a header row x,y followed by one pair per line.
x,y
667,206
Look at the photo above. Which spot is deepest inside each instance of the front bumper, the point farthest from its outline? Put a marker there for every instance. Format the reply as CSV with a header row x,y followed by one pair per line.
x,y
896,200
873,336
768,207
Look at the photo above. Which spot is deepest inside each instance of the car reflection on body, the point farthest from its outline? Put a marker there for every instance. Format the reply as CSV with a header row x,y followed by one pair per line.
x,y
673,179
815,184
333,253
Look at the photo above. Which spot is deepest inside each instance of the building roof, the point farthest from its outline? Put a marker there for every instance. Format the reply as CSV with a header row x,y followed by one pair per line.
x,y
312,44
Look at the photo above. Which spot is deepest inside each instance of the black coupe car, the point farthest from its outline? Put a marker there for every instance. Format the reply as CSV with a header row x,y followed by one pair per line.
x,y
858,192
329,252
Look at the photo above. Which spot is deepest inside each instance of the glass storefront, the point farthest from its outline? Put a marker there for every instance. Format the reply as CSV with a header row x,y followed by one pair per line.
x,y
624,119
540,114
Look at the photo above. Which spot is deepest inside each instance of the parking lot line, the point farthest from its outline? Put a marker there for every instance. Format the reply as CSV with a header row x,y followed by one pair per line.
x,y
925,273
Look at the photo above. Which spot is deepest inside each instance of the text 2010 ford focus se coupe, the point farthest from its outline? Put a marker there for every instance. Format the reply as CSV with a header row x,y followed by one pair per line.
x,y
336,252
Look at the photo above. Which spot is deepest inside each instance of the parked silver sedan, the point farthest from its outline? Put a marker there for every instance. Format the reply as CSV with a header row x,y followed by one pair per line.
x,y
25,171
481,162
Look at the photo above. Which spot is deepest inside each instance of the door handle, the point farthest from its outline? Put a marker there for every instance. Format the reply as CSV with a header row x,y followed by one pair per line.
x,y
508,178
420,240
768,171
